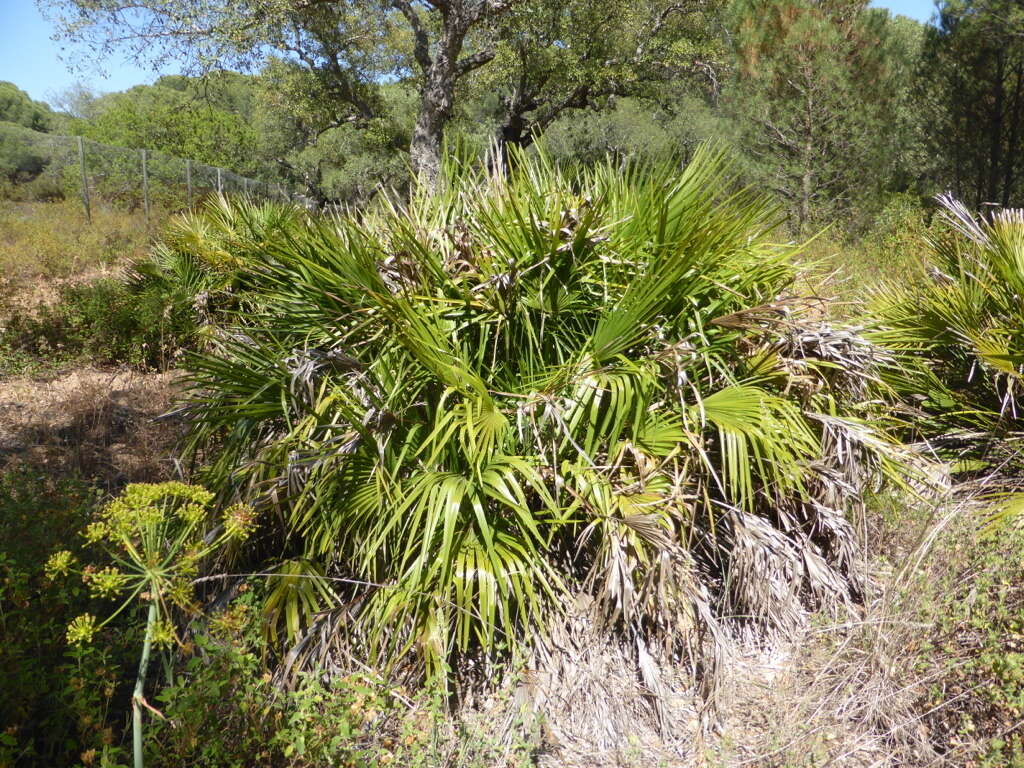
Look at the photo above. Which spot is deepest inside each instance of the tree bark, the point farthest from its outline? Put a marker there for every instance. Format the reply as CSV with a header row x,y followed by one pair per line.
x,y
441,73
995,159
428,133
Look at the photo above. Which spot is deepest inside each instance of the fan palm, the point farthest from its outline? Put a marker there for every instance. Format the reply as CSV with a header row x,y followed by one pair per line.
x,y
957,336
476,403
199,266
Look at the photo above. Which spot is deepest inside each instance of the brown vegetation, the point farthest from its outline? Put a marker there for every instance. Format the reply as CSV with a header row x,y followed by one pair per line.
x,y
90,423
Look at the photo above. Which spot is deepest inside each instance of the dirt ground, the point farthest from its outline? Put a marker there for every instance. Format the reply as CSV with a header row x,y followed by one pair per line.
x,y
95,424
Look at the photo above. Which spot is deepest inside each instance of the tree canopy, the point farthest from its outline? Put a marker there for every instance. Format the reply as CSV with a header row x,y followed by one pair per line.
x,y
19,108
553,55
833,105
973,99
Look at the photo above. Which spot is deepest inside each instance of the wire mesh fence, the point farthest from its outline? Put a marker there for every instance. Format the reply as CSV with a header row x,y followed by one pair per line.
x,y
44,166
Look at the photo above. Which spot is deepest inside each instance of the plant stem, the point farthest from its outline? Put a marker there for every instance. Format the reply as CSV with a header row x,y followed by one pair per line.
x,y
140,684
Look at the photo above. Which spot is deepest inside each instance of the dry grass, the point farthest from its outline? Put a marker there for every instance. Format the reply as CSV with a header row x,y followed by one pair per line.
x,y
45,244
867,689
92,424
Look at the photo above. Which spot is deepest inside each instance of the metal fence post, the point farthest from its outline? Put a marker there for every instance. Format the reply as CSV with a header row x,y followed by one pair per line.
x,y
220,183
85,180
145,187
188,180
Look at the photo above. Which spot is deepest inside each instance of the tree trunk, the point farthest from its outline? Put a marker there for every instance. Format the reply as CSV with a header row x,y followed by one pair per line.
x,y
807,172
441,72
428,136
437,97
995,158
806,192
1015,126
514,132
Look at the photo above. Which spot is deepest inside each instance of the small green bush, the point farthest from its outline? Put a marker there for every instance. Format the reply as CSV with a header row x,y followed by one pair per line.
x,y
955,327
105,321
41,189
19,162
566,381
224,710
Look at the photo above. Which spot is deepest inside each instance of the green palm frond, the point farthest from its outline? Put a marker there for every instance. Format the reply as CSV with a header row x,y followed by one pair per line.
x,y
957,335
474,404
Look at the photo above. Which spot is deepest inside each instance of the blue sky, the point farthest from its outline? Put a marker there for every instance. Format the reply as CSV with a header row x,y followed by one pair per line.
x,y
33,62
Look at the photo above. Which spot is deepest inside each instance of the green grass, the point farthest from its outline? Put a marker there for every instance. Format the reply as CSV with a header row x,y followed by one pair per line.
x,y
841,266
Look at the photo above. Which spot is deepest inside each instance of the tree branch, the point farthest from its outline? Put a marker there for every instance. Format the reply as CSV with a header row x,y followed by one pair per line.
x,y
421,48
469,63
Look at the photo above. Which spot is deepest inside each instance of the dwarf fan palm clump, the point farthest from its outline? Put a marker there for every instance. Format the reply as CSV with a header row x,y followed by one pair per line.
x,y
201,265
957,334
458,412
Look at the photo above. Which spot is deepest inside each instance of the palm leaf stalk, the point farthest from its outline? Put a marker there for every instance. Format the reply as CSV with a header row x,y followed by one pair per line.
x,y
478,402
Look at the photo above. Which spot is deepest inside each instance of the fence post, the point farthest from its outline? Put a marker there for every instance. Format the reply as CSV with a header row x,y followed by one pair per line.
x,y
220,183
145,187
245,185
188,180
85,180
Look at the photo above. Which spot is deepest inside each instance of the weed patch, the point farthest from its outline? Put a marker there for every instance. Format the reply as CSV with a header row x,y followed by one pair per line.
x,y
41,242
57,703
102,322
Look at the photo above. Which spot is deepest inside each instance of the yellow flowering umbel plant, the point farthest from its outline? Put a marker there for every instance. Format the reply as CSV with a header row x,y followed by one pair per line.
x,y
156,535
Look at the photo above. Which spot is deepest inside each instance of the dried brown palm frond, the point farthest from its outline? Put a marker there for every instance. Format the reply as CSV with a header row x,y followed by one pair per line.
x,y
598,695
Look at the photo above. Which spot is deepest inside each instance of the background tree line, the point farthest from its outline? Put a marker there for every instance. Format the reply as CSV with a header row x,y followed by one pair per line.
x,y
832,105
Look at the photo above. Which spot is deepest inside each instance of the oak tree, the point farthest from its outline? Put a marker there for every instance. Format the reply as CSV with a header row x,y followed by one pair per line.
x,y
352,46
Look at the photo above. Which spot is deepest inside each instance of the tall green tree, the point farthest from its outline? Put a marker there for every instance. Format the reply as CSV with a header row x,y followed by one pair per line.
x,y
816,87
973,90
18,107
352,46
558,56
177,122
313,139
540,57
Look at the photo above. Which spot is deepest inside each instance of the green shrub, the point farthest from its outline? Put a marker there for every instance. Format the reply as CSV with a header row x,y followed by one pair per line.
x,y
956,328
57,703
515,390
106,321
224,710
19,161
